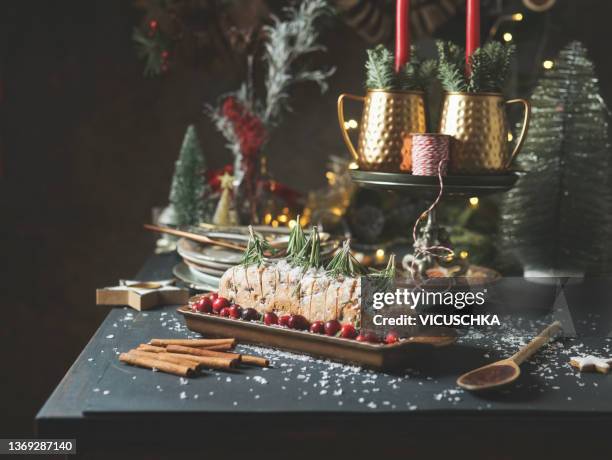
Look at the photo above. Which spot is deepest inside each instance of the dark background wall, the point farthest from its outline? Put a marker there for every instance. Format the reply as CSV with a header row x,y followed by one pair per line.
x,y
87,147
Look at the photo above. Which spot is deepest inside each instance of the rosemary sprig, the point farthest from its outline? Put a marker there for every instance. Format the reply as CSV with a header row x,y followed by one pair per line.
x,y
385,277
310,255
255,250
344,263
297,240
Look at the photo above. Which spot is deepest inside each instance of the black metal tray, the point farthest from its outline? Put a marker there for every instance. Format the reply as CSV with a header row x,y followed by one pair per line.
x,y
460,185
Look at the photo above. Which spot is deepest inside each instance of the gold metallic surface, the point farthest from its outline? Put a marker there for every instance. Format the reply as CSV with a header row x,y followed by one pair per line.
x,y
389,117
479,127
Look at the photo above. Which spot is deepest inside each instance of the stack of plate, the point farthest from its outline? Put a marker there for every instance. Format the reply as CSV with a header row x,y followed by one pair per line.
x,y
204,264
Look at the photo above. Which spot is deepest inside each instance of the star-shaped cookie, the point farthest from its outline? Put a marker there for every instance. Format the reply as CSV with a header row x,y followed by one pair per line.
x,y
591,364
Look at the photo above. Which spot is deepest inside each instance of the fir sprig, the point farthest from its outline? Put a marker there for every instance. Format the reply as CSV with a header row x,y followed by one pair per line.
x,y
489,67
451,66
379,68
255,250
344,263
416,75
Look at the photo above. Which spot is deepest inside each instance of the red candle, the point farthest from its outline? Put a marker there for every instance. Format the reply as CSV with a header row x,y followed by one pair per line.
x,y
402,34
472,32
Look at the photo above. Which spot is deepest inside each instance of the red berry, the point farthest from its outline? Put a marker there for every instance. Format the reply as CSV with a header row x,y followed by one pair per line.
x,y
371,337
362,338
212,296
270,318
348,331
284,321
153,24
250,314
391,337
225,312
220,303
203,305
318,327
235,311
332,327
298,322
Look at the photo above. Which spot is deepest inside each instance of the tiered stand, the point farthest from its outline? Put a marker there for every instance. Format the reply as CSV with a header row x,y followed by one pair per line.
x,y
432,234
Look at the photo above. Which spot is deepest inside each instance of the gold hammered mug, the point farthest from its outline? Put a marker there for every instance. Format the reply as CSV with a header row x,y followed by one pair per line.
x,y
389,117
479,127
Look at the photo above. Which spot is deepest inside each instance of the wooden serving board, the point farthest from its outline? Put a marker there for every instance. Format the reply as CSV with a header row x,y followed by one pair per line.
x,y
376,356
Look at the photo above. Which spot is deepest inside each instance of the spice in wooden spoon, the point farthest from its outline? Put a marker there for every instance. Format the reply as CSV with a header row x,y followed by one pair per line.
x,y
506,370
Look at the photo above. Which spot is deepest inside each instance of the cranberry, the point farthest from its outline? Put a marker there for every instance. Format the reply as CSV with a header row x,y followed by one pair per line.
x,y
235,311
219,303
270,319
298,322
250,314
371,337
348,331
332,327
203,305
318,327
391,337
284,321
213,296
362,338
225,312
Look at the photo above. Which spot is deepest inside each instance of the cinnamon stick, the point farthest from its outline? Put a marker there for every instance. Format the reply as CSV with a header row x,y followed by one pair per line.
x,y
201,352
255,360
192,342
211,362
150,363
151,348
222,347
183,360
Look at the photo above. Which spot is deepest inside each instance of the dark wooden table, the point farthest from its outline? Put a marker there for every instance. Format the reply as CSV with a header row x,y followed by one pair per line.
x,y
306,407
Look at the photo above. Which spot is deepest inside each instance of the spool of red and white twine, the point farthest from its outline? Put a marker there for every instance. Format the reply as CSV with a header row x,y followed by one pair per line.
x,y
430,154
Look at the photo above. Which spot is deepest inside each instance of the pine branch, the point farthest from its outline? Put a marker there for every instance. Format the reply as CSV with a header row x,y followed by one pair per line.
x,y
451,68
379,68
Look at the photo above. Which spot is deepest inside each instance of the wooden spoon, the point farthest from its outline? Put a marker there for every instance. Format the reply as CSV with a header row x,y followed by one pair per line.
x,y
507,370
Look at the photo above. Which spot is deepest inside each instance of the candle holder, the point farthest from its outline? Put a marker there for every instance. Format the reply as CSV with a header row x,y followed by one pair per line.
x,y
479,127
389,117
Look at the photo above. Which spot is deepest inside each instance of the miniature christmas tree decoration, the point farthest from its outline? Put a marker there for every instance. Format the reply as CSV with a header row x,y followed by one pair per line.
x,y
189,190
223,214
558,218
142,295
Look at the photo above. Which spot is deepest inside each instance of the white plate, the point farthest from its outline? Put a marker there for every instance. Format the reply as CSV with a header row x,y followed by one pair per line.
x,y
194,281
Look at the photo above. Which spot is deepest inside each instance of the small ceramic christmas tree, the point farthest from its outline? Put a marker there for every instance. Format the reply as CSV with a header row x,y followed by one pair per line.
x,y
189,190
